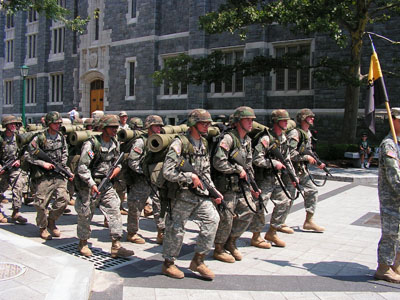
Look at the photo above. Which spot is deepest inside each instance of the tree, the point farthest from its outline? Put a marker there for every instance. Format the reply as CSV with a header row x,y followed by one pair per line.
x,y
50,8
345,21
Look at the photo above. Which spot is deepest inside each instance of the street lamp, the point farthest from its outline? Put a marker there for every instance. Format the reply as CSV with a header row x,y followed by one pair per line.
x,y
24,73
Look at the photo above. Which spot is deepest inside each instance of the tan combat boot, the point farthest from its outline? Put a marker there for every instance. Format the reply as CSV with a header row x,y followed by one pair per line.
x,y
17,218
147,210
259,242
105,222
396,264
51,225
385,272
118,251
285,229
169,269
84,248
221,255
310,225
231,247
273,237
3,218
160,236
197,265
44,234
135,238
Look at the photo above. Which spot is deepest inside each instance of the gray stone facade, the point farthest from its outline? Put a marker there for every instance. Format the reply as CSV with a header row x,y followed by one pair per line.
x,y
157,30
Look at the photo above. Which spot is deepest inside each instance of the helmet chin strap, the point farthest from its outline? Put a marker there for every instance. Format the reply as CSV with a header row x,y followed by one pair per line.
x,y
283,129
203,134
240,125
309,124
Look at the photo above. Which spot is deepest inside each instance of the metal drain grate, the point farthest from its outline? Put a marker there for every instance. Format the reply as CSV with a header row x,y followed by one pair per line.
x,y
101,260
10,270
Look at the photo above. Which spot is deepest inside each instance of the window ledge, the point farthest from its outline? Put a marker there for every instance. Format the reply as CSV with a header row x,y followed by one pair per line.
x,y
225,95
30,104
290,93
8,105
55,103
130,98
31,61
56,57
9,65
169,97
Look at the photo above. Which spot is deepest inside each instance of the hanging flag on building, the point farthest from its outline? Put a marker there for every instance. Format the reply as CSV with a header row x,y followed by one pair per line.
x,y
376,93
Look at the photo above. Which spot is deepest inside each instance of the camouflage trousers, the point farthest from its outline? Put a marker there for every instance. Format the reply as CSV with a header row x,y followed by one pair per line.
x,y
229,226
120,187
46,188
189,206
137,197
18,182
310,192
388,245
108,202
271,190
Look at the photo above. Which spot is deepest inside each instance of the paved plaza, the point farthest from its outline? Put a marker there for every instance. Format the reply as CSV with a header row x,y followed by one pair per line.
x,y
337,264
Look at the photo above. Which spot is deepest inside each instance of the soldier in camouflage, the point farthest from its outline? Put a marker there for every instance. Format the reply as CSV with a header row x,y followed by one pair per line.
x,y
300,140
47,183
11,175
228,182
141,190
88,123
97,157
269,184
389,200
123,117
190,199
135,123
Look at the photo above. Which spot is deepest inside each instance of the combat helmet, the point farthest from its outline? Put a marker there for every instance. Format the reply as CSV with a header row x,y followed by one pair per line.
x,y
9,120
153,120
108,121
198,115
291,124
279,115
302,114
88,122
135,122
243,112
52,117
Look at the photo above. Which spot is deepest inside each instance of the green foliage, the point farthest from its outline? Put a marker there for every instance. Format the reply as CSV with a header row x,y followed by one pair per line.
x,y
49,8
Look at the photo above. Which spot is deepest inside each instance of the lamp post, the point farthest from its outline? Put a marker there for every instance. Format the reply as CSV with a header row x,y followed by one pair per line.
x,y
24,73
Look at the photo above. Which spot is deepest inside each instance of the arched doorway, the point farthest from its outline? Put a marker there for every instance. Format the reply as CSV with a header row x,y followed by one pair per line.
x,y
96,95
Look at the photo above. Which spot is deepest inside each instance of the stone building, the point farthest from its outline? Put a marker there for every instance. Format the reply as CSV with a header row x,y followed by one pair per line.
x,y
110,65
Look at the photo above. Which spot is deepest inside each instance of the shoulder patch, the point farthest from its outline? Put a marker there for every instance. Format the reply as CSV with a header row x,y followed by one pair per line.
x,y
138,150
391,154
224,145
177,147
265,141
91,154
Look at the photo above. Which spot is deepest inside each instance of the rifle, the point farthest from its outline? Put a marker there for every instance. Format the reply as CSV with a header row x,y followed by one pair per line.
x,y
239,159
107,179
185,166
319,162
278,155
8,165
58,168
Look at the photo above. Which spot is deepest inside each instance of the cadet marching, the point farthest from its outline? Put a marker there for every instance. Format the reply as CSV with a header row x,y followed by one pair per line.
x,y
221,175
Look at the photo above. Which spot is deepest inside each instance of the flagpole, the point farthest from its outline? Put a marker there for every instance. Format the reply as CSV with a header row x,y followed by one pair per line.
x,y
386,105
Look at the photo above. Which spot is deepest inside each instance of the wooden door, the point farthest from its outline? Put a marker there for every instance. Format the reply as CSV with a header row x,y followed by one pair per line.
x,y
96,95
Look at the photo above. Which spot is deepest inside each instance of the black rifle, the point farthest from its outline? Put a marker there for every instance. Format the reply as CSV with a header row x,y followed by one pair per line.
x,y
240,160
319,162
58,168
185,166
107,179
8,165
278,155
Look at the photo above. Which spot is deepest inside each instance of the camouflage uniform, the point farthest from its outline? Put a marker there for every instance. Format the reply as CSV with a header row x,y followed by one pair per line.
x,y
12,177
268,183
299,161
188,203
108,201
389,200
48,184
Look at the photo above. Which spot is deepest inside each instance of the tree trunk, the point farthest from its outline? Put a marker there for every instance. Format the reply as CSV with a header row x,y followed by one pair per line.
x,y
351,99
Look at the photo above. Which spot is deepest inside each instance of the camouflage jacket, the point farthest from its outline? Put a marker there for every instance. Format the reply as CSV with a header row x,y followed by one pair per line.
x,y
221,161
55,147
389,170
199,159
8,149
260,158
295,137
94,164
137,154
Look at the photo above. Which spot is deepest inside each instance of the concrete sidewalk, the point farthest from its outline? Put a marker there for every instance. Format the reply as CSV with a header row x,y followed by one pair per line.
x,y
337,264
